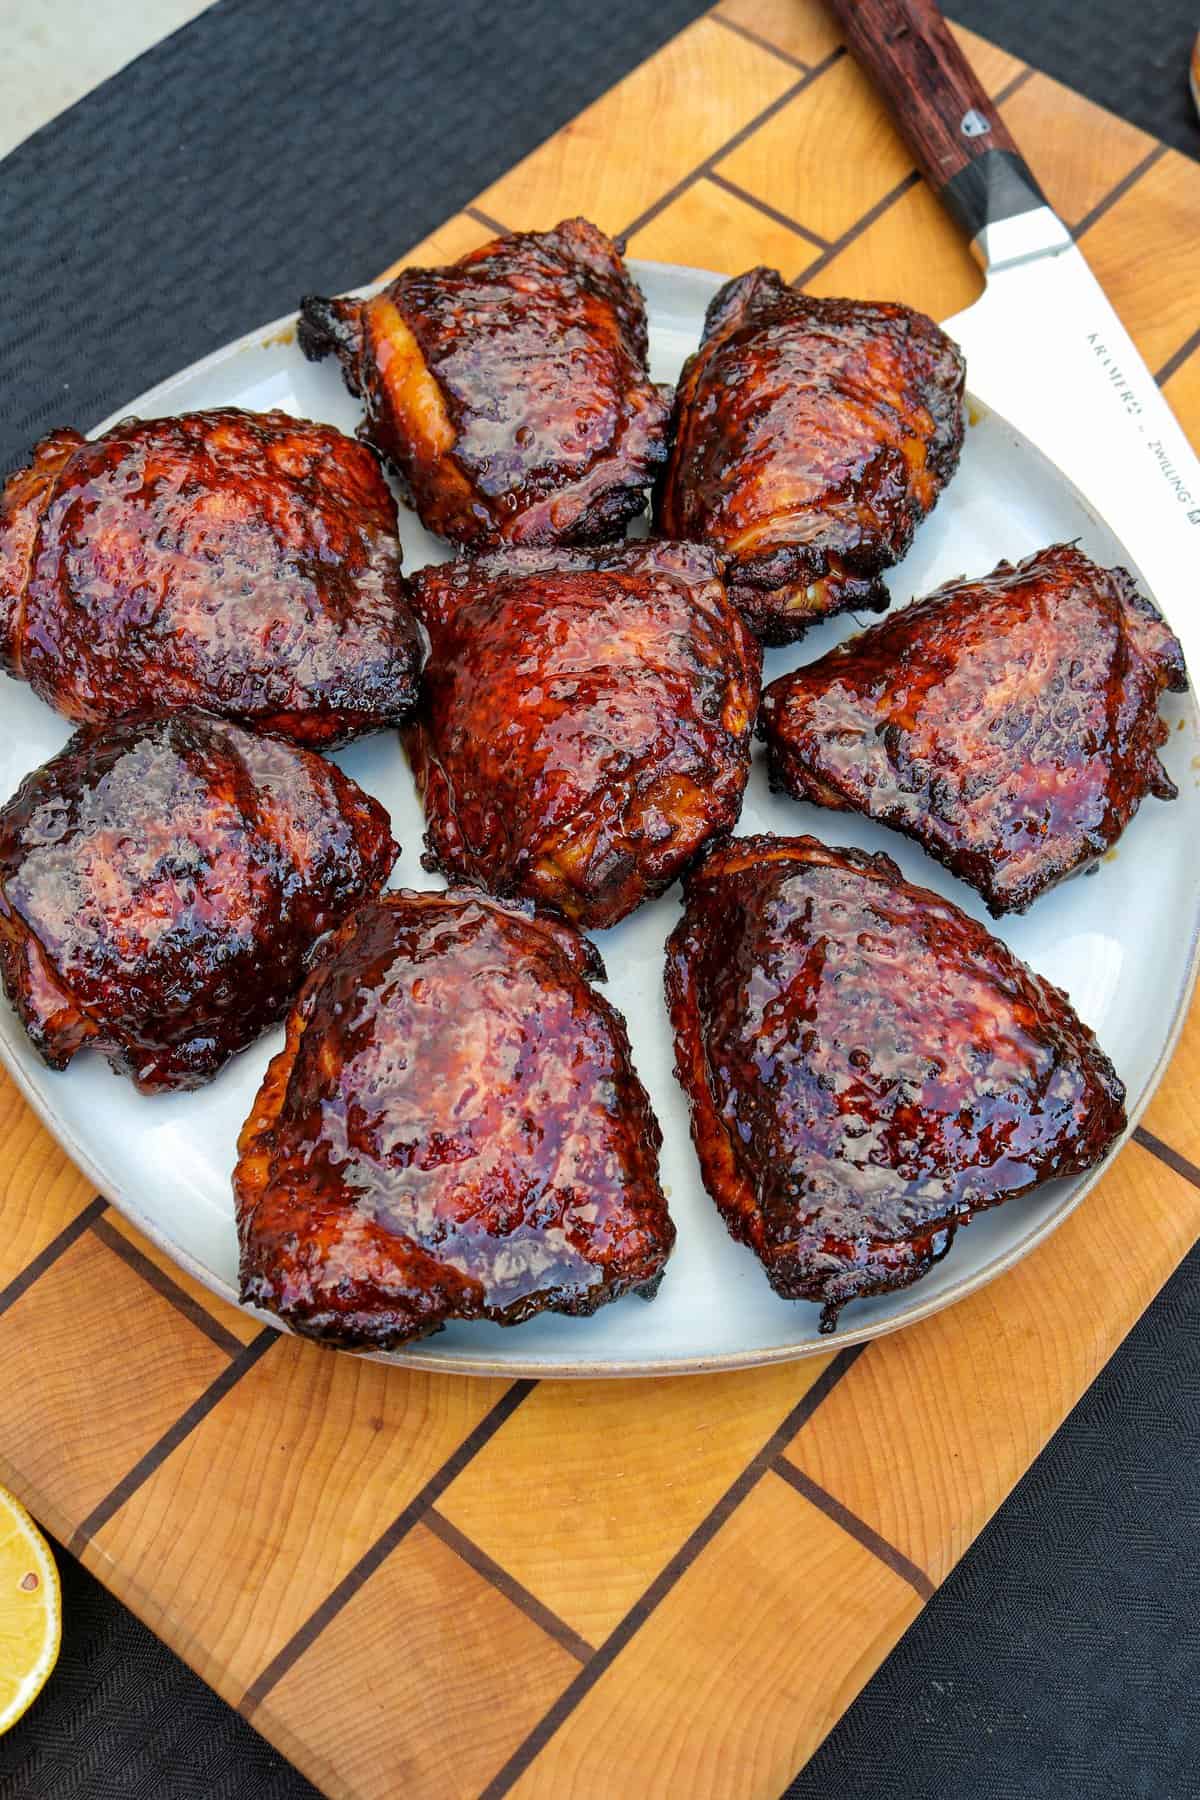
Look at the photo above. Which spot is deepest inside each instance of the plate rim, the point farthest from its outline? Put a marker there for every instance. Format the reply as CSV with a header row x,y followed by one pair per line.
x,y
280,332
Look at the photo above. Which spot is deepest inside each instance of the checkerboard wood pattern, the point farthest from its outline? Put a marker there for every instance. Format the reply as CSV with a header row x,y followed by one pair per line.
x,y
423,1585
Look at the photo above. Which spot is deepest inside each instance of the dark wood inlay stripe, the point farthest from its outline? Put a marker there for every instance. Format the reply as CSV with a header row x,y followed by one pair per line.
x,y
808,1403
857,1528
1173,1158
306,1634
185,1424
860,225
1122,188
889,200
422,1509
1180,357
668,1576
1012,85
45,1259
162,1284
772,212
739,137
486,220
508,1585
755,37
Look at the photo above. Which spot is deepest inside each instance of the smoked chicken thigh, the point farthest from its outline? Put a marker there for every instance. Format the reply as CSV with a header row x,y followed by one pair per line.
x,y
811,438
1010,725
585,722
453,1130
162,884
244,562
509,389
866,1066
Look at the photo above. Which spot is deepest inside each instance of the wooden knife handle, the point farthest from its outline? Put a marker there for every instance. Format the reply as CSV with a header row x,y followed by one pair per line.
x,y
958,137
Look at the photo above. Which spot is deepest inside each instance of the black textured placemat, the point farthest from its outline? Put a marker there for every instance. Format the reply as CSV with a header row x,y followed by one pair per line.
x,y
1059,1661
1132,59
263,152
266,150
123,1719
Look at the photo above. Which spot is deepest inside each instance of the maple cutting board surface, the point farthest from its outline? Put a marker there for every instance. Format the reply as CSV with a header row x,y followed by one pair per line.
x,y
375,1564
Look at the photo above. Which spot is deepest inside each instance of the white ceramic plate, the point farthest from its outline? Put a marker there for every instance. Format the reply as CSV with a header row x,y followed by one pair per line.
x,y
1122,942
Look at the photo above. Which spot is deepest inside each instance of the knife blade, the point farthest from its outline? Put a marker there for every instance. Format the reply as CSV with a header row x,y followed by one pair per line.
x,y
1045,348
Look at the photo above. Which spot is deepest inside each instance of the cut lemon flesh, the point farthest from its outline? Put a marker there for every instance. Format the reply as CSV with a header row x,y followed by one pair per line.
x,y
30,1611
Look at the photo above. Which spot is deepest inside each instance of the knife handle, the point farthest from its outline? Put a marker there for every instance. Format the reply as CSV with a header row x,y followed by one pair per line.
x,y
958,137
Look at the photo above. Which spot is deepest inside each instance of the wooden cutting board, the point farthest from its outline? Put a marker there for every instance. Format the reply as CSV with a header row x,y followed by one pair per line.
x,y
422,1585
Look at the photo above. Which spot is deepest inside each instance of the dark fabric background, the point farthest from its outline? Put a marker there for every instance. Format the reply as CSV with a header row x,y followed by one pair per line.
x,y
1060,1661
1131,58
267,150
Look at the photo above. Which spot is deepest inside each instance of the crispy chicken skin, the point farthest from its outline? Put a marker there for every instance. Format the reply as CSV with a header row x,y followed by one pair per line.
x,y
1009,725
811,438
453,1130
585,722
509,389
162,884
244,562
866,1066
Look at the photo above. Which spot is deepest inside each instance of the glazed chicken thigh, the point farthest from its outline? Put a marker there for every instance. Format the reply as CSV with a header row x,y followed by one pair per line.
x,y
163,883
866,1066
1010,725
453,1130
245,563
509,389
811,438
585,722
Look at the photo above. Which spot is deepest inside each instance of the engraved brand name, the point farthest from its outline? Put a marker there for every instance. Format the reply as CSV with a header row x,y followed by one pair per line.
x,y
1133,406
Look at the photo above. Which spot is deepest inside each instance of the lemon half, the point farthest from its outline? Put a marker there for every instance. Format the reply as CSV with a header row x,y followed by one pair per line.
x,y
30,1611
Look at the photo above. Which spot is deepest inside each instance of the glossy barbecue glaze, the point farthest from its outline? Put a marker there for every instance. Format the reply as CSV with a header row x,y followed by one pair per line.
x,y
811,438
585,722
453,1130
162,885
1010,725
867,1067
243,562
509,389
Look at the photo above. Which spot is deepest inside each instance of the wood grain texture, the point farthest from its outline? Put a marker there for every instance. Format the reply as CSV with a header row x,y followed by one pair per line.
x,y
313,1456
1078,151
719,230
811,32
788,162
439,1675
737,1676
426,1586
879,261
149,1260
700,90
601,1451
1183,391
1145,251
96,1367
930,87
41,1190
808,33
1173,1115
996,68
934,1428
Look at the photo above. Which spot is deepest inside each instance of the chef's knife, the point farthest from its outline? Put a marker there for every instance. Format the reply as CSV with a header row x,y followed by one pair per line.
x,y
1044,347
